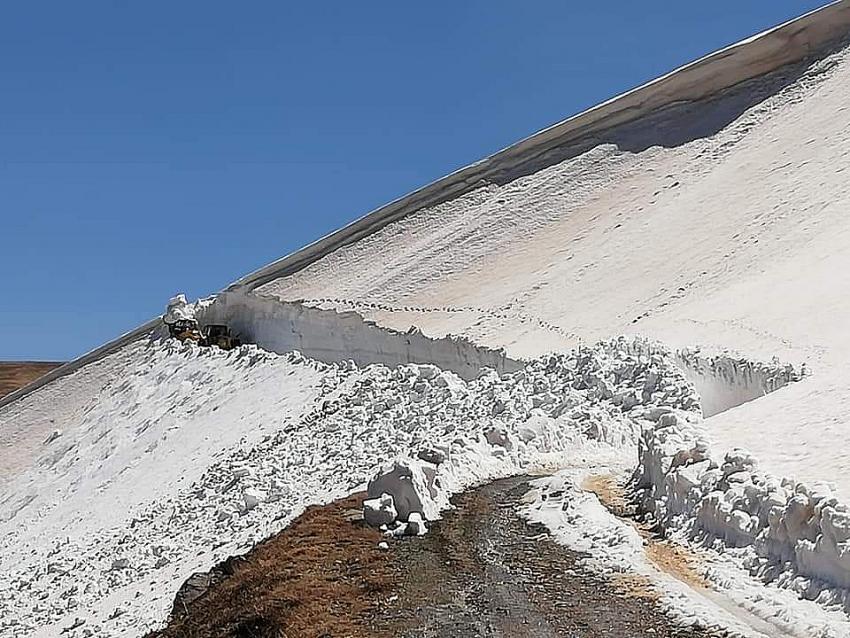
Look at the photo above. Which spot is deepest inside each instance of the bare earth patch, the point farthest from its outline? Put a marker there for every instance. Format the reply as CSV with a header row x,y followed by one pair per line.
x,y
17,374
672,559
321,576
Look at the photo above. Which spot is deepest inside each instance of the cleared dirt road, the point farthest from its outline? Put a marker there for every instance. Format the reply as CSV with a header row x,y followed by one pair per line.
x,y
482,571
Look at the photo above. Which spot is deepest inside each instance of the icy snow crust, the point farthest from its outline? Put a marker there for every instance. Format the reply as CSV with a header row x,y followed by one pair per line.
x,y
192,455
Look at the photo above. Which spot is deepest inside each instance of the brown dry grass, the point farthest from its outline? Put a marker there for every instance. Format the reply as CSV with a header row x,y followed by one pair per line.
x,y
322,576
17,374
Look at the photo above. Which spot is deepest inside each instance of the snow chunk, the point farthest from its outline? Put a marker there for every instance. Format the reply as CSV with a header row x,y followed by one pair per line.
x,y
380,511
416,525
179,309
410,483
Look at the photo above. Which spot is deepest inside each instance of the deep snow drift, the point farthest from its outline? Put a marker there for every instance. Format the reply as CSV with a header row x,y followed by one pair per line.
x,y
190,455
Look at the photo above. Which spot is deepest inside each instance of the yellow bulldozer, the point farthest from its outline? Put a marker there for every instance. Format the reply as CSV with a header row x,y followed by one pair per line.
x,y
219,335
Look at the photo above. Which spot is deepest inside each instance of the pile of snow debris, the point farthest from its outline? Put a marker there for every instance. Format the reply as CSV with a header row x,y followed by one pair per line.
x,y
761,528
785,532
695,588
555,403
193,455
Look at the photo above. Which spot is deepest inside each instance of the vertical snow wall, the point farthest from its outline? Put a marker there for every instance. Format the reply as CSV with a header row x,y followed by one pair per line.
x,y
724,382
328,336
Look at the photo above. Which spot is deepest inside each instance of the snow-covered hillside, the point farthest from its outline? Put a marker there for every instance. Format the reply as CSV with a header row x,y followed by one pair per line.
x,y
192,455
738,240
706,211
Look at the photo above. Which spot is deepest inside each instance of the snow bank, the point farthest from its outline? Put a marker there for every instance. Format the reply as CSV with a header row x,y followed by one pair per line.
x,y
694,589
725,381
577,519
331,336
794,534
555,402
195,454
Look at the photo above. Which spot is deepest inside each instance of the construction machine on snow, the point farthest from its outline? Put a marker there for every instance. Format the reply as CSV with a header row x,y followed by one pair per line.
x,y
180,319
184,330
210,335
219,335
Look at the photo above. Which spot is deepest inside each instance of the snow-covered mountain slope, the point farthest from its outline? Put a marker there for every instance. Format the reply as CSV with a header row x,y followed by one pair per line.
x,y
122,481
736,240
704,242
706,209
27,422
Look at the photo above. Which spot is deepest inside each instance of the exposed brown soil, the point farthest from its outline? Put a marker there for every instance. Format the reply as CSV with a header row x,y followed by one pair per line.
x,y
610,494
671,558
322,576
17,374
482,571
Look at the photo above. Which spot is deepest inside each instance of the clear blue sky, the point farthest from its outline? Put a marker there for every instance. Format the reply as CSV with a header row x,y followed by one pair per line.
x,y
154,147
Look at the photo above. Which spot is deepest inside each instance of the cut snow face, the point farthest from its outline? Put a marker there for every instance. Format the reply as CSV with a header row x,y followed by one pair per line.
x,y
331,336
724,382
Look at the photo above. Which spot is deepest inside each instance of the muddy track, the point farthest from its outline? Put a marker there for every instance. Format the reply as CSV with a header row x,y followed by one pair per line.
x,y
484,571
